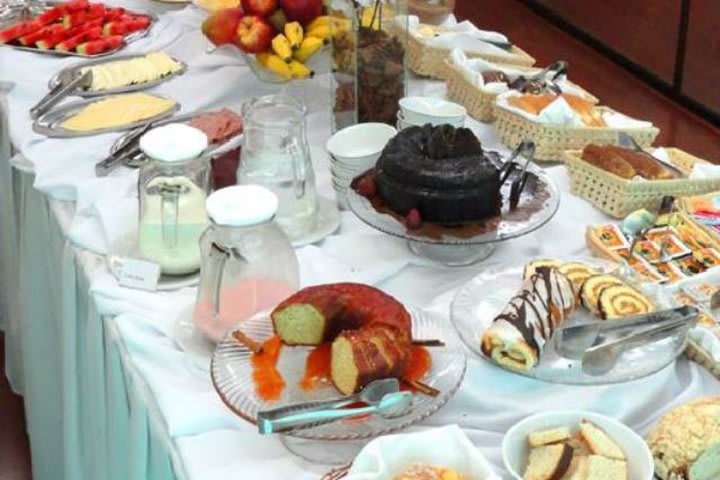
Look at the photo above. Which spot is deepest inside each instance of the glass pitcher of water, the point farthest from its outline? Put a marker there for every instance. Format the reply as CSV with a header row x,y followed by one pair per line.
x,y
275,155
248,264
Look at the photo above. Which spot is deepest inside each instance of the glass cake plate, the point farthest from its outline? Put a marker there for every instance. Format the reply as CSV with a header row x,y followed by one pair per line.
x,y
338,442
479,301
464,246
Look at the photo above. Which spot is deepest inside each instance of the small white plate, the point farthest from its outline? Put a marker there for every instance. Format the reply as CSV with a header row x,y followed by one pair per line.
x,y
515,448
327,221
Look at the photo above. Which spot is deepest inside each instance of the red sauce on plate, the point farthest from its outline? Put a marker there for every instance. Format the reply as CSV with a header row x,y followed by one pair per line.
x,y
269,384
419,363
317,367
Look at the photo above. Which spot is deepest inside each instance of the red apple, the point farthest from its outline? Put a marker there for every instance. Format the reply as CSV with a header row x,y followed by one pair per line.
x,y
254,34
220,27
303,11
259,7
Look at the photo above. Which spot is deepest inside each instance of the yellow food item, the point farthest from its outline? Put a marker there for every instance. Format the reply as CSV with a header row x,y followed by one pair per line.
x,y
281,46
323,32
275,64
122,73
299,70
117,111
215,5
294,33
308,47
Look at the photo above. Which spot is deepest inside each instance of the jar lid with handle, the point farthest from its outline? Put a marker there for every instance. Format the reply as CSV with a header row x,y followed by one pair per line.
x,y
248,262
172,190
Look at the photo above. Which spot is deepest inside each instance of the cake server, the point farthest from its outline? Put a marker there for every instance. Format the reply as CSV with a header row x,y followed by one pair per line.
x,y
61,91
312,414
574,341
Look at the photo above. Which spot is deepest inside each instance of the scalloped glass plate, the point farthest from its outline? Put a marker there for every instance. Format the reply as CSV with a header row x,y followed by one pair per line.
x,y
480,300
528,217
231,374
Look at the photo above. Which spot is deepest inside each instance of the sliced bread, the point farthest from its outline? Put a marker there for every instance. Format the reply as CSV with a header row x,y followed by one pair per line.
x,y
549,462
599,442
601,468
578,468
547,437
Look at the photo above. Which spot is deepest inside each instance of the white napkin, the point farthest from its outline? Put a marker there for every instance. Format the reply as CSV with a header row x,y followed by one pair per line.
x,y
464,36
388,456
618,120
559,112
704,171
183,392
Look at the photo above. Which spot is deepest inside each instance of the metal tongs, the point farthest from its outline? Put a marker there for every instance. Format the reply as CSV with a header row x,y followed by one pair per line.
x,y
129,149
382,397
600,344
523,178
61,91
627,141
541,82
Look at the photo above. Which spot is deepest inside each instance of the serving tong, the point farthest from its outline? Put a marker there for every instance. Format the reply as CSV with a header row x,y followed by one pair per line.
x,y
59,92
523,178
540,82
627,141
382,397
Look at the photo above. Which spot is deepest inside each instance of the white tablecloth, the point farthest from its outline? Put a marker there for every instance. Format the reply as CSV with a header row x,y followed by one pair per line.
x,y
109,393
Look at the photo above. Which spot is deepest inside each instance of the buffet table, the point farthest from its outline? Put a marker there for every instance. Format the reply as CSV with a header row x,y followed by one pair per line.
x,y
108,391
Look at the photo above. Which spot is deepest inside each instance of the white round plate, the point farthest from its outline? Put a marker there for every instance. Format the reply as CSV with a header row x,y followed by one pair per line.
x,y
479,301
326,222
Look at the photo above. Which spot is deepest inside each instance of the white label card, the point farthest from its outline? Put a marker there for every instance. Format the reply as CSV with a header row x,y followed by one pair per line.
x,y
139,274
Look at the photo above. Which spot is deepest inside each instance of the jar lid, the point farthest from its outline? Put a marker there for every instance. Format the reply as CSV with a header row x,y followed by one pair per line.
x,y
241,205
175,142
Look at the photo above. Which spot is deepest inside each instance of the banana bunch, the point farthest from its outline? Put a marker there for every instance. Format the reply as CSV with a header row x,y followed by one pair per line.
x,y
292,48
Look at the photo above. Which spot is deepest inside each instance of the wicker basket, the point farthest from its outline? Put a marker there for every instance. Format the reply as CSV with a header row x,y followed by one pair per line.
x,y
477,102
551,141
430,61
618,197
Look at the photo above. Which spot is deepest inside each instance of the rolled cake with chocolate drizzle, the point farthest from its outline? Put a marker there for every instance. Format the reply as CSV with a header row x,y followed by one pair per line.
x,y
518,335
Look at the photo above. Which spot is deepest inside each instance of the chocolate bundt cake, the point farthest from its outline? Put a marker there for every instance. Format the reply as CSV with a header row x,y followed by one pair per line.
x,y
440,171
370,331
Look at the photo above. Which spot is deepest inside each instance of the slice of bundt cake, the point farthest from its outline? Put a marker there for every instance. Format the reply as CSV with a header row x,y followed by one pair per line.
x,y
370,331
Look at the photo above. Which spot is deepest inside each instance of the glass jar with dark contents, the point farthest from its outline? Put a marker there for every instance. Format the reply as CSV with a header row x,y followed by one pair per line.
x,y
368,55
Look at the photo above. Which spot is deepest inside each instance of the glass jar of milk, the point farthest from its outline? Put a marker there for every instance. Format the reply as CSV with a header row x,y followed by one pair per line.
x,y
248,262
173,187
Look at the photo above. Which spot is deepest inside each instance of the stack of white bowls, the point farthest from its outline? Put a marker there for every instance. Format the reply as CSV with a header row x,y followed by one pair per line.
x,y
417,111
354,150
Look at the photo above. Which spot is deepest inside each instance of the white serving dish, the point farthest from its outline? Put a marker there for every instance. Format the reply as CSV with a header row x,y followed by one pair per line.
x,y
360,145
515,448
402,123
388,456
436,111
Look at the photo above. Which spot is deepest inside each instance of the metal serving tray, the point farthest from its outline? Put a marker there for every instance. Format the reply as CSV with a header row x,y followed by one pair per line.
x,y
48,124
67,74
24,14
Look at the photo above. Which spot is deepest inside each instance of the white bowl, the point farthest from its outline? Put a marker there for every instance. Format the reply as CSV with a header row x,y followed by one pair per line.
x,y
515,448
436,111
360,144
402,123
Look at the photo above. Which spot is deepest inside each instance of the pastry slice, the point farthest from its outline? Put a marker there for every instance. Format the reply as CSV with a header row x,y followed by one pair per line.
x,y
577,273
578,469
591,288
549,462
617,301
600,442
602,468
533,265
550,436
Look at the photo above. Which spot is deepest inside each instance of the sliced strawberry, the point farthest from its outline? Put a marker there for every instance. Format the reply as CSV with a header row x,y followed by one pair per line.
x,y
78,18
87,35
18,30
30,39
99,46
114,14
53,40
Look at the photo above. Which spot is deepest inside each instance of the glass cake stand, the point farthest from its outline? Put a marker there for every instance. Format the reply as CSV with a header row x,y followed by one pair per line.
x,y
474,242
479,301
338,442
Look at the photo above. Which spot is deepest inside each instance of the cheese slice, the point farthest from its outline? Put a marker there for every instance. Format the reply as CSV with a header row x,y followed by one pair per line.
x,y
122,73
117,112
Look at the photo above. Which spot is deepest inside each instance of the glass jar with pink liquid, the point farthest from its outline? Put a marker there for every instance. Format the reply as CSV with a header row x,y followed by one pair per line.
x,y
248,264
